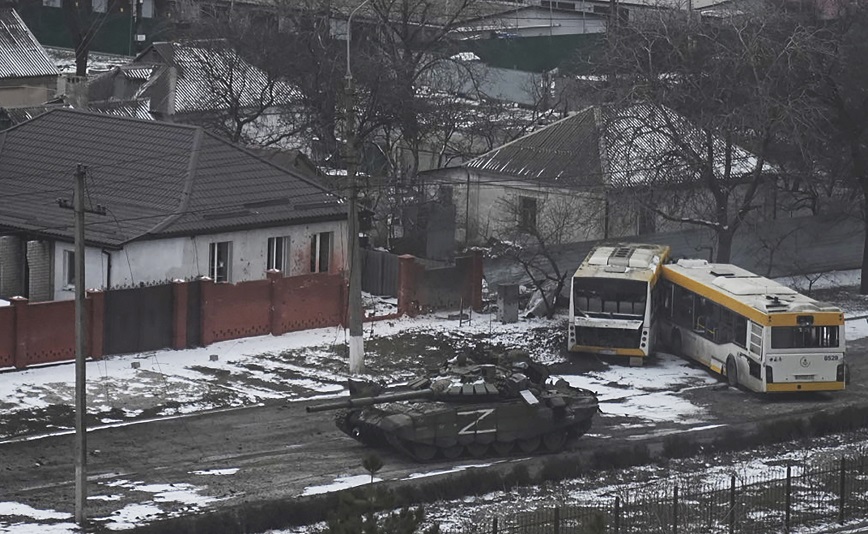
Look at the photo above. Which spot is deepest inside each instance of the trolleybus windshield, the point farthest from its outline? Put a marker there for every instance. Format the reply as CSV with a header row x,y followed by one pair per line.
x,y
608,297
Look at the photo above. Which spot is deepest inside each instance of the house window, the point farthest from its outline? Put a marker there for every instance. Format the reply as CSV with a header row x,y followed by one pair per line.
x,y
278,247
320,252
69,269
52,3
147,9
218,261
526,213
99,6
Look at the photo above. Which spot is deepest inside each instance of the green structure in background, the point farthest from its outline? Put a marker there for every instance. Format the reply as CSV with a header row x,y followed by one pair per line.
x,y
537,54
116,33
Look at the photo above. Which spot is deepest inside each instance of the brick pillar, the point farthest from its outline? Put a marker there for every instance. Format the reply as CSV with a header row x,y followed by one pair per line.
x,y
207,287
476,275
20,355
11,267
96,323
407,302
274,301
41,271
180,301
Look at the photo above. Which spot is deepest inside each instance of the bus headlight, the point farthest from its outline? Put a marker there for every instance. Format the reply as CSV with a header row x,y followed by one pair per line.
x,y
770,376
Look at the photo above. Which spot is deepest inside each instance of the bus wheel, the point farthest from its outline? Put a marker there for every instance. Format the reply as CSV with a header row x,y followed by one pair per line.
x,y
731,372
676,343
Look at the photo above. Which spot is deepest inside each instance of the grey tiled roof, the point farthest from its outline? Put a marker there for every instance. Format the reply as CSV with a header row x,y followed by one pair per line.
x,y
156,178
21,55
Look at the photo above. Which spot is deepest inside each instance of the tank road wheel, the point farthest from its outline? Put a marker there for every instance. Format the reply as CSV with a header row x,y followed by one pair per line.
x,y
423,452
554,441
529,445
450,453
477,450
731,372
502,448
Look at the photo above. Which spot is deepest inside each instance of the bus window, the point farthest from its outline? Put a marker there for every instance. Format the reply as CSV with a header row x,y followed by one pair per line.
x,y
740,331
683,307
756,338
803,337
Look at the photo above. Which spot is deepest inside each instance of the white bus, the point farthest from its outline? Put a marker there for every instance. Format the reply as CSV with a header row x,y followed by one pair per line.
x,y
613,300
758,333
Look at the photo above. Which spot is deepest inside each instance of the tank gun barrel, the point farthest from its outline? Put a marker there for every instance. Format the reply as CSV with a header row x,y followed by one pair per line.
x,y
359,402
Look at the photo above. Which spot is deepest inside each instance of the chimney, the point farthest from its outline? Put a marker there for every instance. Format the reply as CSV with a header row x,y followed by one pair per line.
x,y
76,91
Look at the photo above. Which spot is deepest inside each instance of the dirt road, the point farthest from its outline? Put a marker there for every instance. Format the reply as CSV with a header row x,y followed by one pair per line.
x,y
279,450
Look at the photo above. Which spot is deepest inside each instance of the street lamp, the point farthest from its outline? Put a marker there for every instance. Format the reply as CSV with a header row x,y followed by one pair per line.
x,y
354,302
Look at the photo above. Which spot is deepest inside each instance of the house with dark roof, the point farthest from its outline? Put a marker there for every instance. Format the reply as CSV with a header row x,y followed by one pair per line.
x,y
167,201
28,77
610,164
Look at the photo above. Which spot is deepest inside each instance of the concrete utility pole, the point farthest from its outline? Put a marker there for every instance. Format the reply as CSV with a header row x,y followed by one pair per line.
x,y
354,302
80,345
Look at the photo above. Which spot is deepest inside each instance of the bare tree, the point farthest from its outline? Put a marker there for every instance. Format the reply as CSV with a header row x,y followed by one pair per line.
x,y
839,88
245,99
536,227
83,23
695,105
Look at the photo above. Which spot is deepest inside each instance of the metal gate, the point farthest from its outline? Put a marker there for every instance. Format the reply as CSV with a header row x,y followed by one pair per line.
x,y
379,273
138,319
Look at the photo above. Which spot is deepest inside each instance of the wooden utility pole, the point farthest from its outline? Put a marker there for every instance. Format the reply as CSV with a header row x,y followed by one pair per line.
x,y
80,344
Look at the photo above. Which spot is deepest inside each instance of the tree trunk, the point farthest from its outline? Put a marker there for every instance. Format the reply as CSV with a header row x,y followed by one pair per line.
x,y
863,284
724,246
81,56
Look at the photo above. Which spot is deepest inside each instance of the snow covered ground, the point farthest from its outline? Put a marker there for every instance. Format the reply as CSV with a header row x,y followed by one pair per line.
x,y
127,389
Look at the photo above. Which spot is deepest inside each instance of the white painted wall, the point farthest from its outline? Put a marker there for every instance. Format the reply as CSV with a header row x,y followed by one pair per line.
x,y
187,257
95,270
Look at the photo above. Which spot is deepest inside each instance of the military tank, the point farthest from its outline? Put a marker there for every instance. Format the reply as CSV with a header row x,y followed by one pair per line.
x,y
467,409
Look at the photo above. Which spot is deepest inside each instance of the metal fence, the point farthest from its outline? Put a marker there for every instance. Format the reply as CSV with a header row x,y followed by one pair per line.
x,y
808,495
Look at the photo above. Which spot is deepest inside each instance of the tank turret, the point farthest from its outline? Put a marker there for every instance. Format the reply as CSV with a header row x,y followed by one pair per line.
x,y
463,408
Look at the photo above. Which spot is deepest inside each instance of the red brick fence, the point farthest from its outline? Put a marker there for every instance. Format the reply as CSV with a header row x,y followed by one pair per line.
x,y
197,313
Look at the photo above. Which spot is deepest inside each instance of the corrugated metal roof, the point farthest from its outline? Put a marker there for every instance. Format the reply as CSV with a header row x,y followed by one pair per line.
x,y
157,179
601,146
207,71
565,152
134,109
21,55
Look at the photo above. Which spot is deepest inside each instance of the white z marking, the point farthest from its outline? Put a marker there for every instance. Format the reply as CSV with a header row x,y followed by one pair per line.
x,y
472,428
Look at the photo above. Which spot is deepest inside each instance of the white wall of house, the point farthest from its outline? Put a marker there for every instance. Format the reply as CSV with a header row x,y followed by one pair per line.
x,y
188,257
96,265
481,214
161,260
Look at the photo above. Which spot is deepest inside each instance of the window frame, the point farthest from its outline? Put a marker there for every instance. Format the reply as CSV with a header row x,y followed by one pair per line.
x,y
68,269
214,252
277,260
528,211
321,256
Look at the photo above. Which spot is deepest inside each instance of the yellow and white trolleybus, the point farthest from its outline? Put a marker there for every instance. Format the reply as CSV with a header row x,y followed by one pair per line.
x,y
756,332
613,300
